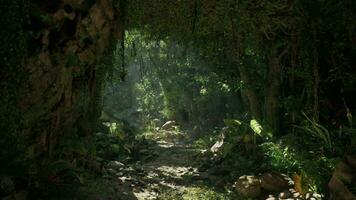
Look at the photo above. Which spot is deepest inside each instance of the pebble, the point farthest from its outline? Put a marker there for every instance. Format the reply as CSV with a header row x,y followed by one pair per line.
x,y
317,196
296,194
307,195
286,194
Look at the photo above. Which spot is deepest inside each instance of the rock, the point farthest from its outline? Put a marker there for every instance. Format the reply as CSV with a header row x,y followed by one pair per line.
x,y
271,198
295,194
338,190
312,196
307,195
343,175
116,165
168,125
248,186
285,194
111,172
317,196
275,182
344,172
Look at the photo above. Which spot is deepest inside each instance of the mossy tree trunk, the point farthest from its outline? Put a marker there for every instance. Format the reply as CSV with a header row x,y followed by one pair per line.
x,y
273,87
67,40
248,91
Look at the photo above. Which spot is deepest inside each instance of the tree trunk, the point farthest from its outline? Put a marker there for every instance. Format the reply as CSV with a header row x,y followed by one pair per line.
x,y
251,96
272,103
315,75
273,92
66,46
247,93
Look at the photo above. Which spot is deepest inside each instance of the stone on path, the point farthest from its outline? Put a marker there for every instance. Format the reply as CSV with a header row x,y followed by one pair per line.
x,y
275,182
248,186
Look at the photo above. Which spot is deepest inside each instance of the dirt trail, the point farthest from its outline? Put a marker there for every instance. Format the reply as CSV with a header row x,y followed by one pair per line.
x,y
164,165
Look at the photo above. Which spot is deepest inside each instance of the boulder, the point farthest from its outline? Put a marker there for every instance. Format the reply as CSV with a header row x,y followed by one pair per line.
x,y
344,174
272,181
248,186
338,190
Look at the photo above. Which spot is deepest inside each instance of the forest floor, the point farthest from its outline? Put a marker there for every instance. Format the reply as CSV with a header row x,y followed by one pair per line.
x,y
167,168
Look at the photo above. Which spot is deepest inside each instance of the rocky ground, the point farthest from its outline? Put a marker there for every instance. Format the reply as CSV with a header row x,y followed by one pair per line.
x,y
163,166
169,169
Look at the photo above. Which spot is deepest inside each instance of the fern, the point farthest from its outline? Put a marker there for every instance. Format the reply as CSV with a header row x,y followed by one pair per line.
x,y
256,127
317,130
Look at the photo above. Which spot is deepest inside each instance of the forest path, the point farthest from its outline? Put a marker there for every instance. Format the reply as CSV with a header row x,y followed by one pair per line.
x,y
167,169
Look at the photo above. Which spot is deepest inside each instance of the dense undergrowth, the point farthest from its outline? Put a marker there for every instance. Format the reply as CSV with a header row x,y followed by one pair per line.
x,y
302,154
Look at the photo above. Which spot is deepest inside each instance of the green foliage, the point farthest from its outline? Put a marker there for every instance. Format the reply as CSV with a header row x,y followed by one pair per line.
x,y
169,80
280,158
115,144
256,127
288,158
253,128
318,131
